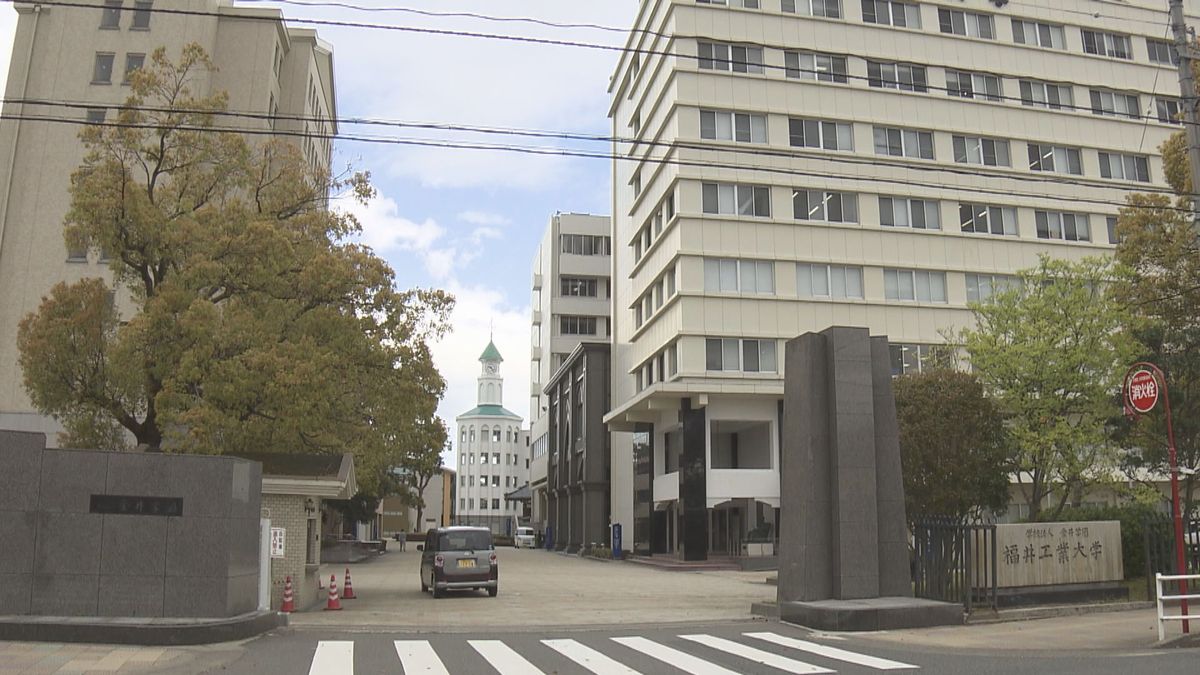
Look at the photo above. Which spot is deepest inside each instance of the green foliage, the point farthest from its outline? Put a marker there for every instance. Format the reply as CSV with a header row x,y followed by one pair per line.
x,y
360,508
952,444
1134,517
260,323
1051,352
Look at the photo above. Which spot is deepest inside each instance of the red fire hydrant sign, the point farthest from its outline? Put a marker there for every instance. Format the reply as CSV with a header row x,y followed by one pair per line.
x,y
1143,391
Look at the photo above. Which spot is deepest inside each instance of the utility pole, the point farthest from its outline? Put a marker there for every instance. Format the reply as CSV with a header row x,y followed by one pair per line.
x,y
1187,88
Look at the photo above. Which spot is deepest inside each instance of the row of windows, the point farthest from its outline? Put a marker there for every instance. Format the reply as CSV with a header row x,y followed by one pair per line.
x,y
484,481
510,459
468,434
662,290
661,367
468,504
653,229
740,354
971,24
918,144
973,218
577,325
583,287
102,69
110,15
585,244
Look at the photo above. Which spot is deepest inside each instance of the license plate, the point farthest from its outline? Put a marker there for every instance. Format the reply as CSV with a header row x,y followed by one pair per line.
x,y
466,562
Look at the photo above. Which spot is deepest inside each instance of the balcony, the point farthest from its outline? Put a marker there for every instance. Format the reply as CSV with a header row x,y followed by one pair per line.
x,y
537,316
537,281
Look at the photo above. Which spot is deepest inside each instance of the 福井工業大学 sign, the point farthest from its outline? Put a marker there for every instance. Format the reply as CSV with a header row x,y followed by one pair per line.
x,y
1046,554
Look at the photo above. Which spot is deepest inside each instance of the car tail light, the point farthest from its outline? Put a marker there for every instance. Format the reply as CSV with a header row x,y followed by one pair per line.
x,y
492,559
439,561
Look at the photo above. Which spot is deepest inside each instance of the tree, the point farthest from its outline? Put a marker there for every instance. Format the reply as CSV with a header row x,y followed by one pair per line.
x,y
1051,351
423,462
952,444
260,323
1158,245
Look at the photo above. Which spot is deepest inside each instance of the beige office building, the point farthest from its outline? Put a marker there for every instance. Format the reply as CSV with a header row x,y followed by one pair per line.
x,y
79,56
806,163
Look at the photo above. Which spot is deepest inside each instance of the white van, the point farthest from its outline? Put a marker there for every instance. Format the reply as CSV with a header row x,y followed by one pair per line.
x,y
524,538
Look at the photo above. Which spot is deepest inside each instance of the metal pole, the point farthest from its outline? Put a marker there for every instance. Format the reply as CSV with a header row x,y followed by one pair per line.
x,y
1189,100
1176,513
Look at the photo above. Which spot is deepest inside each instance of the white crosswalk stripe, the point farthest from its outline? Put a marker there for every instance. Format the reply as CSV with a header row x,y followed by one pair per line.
x,y
681,660
417,656
589,658
503,658
333,658
832,652
757,655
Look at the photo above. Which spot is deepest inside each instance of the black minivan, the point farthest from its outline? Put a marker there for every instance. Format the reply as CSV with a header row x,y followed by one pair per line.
x,y
459,558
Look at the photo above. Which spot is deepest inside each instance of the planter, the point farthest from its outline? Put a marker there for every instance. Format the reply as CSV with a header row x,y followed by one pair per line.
x,y
758,549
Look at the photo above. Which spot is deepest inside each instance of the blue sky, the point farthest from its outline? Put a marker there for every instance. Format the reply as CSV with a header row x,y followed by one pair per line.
x,y
466,220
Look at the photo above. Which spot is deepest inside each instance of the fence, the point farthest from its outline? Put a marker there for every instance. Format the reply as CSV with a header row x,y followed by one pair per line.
x,y
1181,580
955,562
1158,541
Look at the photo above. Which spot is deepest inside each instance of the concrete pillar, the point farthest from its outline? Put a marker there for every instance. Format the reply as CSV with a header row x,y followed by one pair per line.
x,y
693,487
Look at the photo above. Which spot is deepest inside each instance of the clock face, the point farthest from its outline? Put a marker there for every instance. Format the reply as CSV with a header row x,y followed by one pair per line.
x,y
490,369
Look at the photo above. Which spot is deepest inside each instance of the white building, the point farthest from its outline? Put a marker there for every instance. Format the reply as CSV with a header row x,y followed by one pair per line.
x,y
493,454
70,59
806,163
572,291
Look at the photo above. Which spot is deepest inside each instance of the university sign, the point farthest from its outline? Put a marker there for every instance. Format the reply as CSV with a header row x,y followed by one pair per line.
x,y
1050,554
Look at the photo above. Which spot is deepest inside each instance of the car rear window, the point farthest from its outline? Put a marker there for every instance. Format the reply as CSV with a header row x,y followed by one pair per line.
x,y
464,541
524,530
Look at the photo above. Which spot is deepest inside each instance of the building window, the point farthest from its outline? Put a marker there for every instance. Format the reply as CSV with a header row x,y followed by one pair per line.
x,y
132,62
730,126
969,24
734,276
483,504
1065,226
891,13
982,151
831,9
102,69
1056,159
735,58
821,134
973,85
495,504
902,76
919,214
914,285
495,480
833,207
981,287
737,199
984,219
577,325
1114,45
96,115
470,502
586,244
1125,167
1048,35
462,503
1162,52
669,277
909,358
1113,236
141,15
828,281
903,142
1106,102
578,287
1167,110
732,354
814,66
110,16
1046,95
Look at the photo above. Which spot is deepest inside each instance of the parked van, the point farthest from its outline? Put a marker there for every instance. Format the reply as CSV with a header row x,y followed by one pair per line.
x,y
459,558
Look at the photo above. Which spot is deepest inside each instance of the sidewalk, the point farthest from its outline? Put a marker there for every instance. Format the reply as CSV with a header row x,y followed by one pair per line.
x,y
79,659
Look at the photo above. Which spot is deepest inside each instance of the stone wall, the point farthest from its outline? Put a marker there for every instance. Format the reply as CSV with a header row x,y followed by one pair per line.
x,y
287,511
63,555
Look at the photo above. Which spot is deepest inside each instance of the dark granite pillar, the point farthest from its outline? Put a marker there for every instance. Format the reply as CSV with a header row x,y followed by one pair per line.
x,y
895,575
693,486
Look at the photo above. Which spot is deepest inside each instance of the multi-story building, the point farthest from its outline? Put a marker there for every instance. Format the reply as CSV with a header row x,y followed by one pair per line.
x,y
74,62
804,163
493,454
571,295
398,516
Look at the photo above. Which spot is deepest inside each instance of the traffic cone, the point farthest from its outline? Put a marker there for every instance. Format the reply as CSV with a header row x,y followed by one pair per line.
x,y
289,600
347,588
334,603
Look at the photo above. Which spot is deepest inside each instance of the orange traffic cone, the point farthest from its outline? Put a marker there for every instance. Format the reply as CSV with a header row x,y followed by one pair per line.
x,y
334,603
347,588
289,600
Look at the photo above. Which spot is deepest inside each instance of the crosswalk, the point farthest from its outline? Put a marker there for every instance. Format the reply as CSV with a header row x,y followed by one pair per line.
x,y
420,656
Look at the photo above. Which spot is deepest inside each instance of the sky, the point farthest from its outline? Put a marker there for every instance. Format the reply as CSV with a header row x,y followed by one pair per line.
x,y
467,221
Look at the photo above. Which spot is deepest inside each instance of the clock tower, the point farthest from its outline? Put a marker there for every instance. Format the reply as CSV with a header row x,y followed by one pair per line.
x,y
491,384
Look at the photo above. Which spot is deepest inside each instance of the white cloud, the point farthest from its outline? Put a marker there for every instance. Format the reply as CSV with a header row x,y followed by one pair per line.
x,y
483,218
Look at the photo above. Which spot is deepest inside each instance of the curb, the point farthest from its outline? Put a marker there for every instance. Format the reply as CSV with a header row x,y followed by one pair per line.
x,y
145,632
1032,613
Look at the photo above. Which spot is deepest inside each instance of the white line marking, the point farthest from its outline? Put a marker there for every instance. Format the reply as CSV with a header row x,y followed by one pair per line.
x,y
756,655
333,658
503,658
417,656
589,658
674,657
833,652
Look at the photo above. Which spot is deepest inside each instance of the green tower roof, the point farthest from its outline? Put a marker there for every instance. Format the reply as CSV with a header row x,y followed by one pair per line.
x,y
491,353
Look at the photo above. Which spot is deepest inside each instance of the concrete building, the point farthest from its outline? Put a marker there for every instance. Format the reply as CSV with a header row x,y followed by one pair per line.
x,y
577,485
399,518
77,55
808,163
572,290
493,454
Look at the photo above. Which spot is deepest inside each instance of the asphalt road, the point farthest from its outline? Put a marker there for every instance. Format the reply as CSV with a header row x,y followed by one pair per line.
x,y
696,648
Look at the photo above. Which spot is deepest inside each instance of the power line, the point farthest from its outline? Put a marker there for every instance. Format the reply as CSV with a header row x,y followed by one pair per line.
x,y
674,145
609,156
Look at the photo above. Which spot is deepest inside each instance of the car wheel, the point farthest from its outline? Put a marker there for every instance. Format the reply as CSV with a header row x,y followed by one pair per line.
x,y
493,591
424,586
